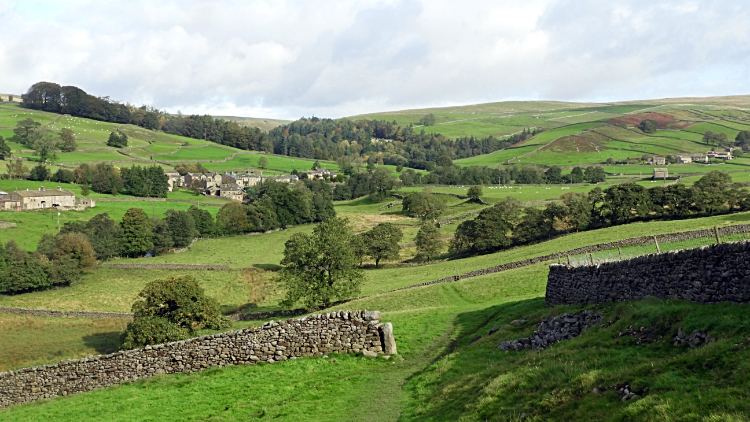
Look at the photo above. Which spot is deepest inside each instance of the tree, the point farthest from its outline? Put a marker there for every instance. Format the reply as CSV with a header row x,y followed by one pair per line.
x,y
182,227
169,310
381,184
106,179
316,165
85,190
203,221
76,246
24,130
474,193
576,175
16,170
625,202
137,233
428,240
39,173
321,267
5,152
594,174
162,236
263,162
610,161
117,140
742,138
424,204
382,242
489,230
231,219
44,145
105,235
647,126
67,140
428,119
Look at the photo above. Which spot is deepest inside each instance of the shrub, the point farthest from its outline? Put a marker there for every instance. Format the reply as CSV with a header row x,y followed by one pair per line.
x,y
171,309
151,330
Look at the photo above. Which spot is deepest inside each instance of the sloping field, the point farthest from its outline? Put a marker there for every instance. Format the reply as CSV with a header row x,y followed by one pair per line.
x,y
483,109
478,128
663,121
203,153
88,156
497,157
9,118
262,124
702,128
691,136
98,131
590,116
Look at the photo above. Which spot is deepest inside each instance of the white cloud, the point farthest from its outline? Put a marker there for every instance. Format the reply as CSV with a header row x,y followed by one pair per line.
x,y
334,58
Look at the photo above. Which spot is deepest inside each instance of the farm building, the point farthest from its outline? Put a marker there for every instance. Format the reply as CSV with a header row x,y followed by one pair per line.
x,y
38,199
684,159
658,161
661,173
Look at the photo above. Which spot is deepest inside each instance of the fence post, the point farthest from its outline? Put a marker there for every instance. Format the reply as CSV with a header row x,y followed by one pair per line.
x,y
656,242
716,232
591,257
568,260
620,251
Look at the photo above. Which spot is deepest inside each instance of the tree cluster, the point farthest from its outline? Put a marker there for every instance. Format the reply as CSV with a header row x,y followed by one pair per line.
x,y
506,223
715,139
274,205
58,261
137,234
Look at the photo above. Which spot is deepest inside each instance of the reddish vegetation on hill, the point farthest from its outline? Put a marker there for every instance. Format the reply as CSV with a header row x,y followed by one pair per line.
x,y
663,121
573,143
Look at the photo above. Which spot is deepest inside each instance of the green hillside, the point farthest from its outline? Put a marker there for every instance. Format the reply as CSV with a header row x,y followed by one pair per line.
x,y
440,374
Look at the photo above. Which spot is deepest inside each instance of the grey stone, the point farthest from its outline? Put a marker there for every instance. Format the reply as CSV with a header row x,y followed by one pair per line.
x,y
389,341
369,354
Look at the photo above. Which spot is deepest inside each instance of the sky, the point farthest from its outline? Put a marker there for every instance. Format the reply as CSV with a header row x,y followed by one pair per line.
x,y
288,59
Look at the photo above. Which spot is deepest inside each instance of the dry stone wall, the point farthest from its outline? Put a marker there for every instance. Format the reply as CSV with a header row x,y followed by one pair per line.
x,y
275,341
64,314
709,274
167,267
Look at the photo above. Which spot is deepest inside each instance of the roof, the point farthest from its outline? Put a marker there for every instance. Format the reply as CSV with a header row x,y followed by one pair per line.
x,y
40,193
661,169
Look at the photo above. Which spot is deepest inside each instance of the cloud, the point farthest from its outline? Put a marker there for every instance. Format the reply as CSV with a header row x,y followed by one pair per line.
x,y
334,58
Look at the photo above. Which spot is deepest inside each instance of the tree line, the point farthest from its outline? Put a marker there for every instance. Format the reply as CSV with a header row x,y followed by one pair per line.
x,y
506,224
374,141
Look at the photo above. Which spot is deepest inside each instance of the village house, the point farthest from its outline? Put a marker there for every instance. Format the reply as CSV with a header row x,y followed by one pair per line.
x,y
285,178
232,191
658,161
174,179
684,159
699,158
245,180
38,199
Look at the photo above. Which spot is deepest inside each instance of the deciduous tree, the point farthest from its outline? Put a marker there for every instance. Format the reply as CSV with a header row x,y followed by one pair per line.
x,y
137,233
382,242
320,268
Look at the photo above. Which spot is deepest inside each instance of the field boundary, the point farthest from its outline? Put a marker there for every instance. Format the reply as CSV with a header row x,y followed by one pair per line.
x,y
633,241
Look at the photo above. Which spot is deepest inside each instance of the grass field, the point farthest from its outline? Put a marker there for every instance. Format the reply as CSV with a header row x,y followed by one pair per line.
x,y
204,153
274,162
9,118
115,290
497,157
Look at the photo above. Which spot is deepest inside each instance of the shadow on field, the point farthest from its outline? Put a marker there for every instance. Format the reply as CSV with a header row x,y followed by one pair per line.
x,y
268,267
103,343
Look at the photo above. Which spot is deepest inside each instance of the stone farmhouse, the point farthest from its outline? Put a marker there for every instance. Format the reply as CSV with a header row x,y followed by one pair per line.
x,y
38,199
175,179
658,161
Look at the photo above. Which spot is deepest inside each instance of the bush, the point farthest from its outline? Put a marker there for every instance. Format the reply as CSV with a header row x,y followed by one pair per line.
x,y
151,330
171,309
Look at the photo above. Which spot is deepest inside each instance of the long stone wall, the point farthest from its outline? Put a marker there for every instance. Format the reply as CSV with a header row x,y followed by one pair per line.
x,y
64,314
709,274
274,341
